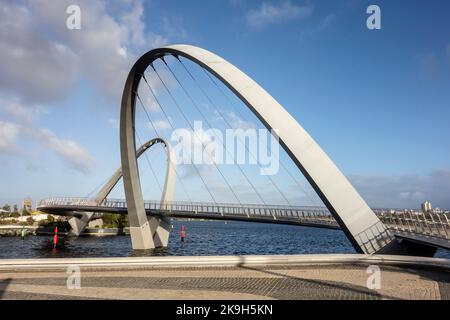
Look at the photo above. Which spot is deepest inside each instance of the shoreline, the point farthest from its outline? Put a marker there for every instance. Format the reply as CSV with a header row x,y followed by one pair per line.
x,y
15,231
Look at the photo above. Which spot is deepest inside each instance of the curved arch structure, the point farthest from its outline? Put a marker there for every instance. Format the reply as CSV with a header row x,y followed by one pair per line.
x,y
160,225
360,224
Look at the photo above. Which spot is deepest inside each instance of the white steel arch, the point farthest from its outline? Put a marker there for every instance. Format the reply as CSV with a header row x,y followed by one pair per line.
x,y
360,224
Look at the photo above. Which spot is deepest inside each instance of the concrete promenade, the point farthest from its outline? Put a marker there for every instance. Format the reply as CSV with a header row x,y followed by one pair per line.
x,y
228,277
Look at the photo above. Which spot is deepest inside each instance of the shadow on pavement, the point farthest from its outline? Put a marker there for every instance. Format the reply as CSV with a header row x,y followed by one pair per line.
x,y
321,289
4,286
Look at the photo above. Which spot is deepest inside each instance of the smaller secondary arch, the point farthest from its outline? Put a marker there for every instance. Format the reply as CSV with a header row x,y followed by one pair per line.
x,y
169,184
79,224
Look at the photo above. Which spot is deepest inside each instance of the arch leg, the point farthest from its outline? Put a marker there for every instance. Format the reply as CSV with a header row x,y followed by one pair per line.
x,y
160,227
141,237
161,237
78,225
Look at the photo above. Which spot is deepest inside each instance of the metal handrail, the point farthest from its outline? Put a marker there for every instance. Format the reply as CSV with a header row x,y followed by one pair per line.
x,y
412,221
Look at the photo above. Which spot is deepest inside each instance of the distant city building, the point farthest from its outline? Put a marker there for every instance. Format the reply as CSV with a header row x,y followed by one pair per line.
x,y
41,216
27,204
438,210
426,206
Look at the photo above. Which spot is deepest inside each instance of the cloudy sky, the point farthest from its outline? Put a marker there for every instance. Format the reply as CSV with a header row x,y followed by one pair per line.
x,y
378,102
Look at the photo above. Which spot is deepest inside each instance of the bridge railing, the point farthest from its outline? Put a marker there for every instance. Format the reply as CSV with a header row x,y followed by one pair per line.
x,y
424,223
273,211
412,221
67,201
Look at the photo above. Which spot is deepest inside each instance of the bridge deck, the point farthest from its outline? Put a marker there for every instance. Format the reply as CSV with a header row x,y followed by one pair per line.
x,y
412,226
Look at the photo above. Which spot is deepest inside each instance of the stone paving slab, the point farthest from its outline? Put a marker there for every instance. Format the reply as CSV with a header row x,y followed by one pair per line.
x,y
267,282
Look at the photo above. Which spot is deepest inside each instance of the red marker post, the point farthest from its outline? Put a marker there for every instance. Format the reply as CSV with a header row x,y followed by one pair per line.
x,y
183,234
55,238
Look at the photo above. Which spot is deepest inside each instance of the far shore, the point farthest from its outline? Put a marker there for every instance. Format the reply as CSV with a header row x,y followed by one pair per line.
x,y
16,231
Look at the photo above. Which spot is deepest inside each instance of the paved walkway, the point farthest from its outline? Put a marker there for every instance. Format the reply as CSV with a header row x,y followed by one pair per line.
x,y
238,282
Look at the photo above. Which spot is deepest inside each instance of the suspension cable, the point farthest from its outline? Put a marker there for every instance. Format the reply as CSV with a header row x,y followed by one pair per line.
x,y
241,115
170,162
210,126
228,124
97,188
149,164
171,125
192,128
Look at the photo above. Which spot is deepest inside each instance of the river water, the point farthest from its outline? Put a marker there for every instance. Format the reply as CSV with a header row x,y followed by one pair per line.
x,y
202,238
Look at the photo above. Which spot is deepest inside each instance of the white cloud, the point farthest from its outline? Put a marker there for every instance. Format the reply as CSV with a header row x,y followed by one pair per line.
x,y
172,27
32,66
406,191
150,103
237,123
160,125
103,39
41,60
133,20
8,135
22,113
269,13
72,152
122,52
323,24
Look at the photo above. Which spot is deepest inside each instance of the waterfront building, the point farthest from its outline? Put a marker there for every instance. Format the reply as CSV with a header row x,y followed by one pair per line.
x,y
426,206
27,204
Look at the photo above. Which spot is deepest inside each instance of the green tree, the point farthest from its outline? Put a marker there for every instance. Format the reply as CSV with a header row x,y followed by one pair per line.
x,y
25,212
6,208
15,214
122,221
115,220
108,220
30,221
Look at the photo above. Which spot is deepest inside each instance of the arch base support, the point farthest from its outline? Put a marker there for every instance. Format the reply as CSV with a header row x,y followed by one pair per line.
x,y
162,227
141,237
405,247
78,225
153,234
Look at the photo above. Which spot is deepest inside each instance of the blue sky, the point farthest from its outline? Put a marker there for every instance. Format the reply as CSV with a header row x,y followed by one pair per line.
x,y
377,101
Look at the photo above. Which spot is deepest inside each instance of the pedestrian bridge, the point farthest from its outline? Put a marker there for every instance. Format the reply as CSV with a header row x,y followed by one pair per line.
x,y
369,231
429,229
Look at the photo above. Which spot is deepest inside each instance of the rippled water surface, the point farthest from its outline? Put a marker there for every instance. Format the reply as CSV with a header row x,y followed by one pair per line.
x,y
202,238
